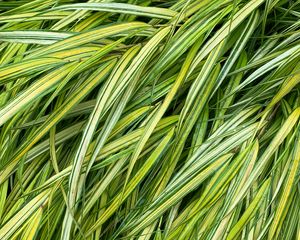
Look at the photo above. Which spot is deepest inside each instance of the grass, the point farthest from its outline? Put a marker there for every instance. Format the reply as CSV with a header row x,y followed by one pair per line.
x,y
148,119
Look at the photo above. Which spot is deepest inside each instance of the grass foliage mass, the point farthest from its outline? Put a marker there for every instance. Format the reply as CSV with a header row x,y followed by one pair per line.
x,y
150,119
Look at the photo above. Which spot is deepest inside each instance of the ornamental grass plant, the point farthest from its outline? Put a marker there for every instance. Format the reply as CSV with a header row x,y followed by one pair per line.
x,y
150,119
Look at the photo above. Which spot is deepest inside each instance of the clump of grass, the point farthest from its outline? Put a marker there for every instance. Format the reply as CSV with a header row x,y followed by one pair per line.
x,y
149,119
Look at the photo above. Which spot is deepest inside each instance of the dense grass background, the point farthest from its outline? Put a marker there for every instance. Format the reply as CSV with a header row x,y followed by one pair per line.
x,y
146,119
